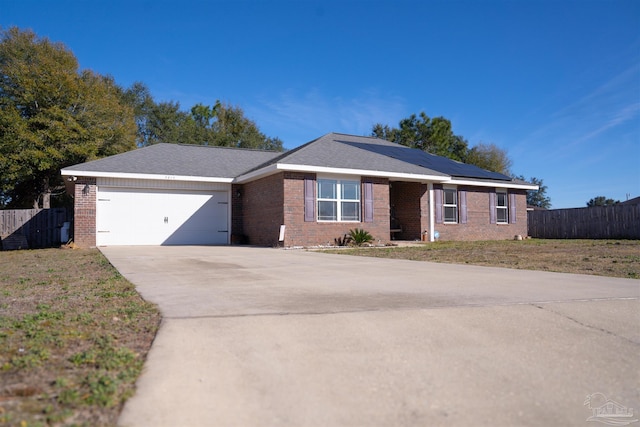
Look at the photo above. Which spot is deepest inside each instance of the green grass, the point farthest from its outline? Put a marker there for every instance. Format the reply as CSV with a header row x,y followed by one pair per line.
x,y
613,258
74,335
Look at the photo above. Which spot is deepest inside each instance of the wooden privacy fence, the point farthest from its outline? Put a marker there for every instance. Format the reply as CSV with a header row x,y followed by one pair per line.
x,y
32,228
600,222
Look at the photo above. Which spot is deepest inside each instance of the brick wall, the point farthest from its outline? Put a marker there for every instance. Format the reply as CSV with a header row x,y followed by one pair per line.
x,y
237,215
263,205
301,233
84,213
478,226
261,210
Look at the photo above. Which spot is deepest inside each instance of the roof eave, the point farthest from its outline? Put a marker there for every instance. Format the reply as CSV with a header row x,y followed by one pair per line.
x,y
156,177
494,184
283,167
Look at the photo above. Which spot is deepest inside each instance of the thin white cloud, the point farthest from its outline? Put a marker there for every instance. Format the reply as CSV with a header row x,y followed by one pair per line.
x,y
578,124
298,117
616,118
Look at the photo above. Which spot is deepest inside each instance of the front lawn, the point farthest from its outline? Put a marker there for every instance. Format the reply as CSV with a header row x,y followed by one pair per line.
x,y
74,335
614,258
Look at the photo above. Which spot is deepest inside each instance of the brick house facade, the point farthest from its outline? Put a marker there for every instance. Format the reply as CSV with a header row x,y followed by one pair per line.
x,y
315,193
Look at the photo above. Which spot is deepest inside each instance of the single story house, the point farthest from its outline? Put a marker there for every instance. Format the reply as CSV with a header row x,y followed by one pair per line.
x,y
172,194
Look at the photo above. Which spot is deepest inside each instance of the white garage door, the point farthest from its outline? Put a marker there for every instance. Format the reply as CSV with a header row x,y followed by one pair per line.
x,y
129,216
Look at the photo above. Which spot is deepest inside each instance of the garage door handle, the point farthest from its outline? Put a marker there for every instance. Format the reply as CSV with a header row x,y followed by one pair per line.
x,y
166,220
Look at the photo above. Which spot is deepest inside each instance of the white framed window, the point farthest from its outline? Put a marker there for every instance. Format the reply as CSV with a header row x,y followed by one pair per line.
x,y
338,200
450,205
502,207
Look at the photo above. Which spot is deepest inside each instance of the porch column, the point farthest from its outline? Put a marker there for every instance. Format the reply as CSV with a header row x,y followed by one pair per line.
x,y
432,220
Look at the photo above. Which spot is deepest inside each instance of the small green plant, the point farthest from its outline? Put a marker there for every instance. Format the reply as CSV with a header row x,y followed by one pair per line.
x,y
72,347
343,241
103,389
360,236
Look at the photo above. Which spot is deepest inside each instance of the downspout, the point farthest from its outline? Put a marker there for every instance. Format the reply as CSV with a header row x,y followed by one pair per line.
x,y
432,219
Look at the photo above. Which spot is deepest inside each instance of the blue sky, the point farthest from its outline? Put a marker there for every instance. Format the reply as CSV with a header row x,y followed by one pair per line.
x,y
555,83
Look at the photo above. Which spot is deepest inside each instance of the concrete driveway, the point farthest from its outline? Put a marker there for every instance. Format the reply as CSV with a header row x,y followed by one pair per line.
x,y
267,337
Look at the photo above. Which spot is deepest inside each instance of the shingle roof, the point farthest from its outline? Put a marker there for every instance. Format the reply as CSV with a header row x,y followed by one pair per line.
x,y
333,150
355,152
337,150
183,160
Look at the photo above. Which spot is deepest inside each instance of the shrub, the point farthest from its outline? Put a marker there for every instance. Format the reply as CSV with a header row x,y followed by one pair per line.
x,y
360,236
342,241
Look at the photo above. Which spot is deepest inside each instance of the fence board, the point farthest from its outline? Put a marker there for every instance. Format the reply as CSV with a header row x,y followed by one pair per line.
x,y
37,228
600,222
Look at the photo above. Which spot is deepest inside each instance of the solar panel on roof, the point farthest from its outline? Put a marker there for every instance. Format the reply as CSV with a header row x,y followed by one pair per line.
x,y
423,159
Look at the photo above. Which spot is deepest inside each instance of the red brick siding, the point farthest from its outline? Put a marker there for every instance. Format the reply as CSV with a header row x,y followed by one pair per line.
x,y
478,226
261,210
301,233
84,212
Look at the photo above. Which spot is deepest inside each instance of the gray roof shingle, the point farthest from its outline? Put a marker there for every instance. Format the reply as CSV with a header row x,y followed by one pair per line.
x,y
352,152
178,159
333,150
337,150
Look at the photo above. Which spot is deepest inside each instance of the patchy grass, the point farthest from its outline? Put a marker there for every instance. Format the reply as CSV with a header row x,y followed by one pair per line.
x,y
614,258
74,335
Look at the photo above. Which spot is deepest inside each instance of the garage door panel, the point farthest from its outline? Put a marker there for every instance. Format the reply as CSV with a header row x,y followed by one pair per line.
x,y
128,216
196,225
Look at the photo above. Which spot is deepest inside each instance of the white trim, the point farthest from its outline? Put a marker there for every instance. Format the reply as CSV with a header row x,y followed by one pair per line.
x,y
338,171
446,205
164,184
493,184
432,217
304,168
504,208
250,176
339,182
361,172
91,174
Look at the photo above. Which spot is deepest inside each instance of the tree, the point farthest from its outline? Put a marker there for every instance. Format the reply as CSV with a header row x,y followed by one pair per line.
x,y
139,98
490,157
432,135
52,115
436,137
168,124
220,124
537,198
601,201
232,129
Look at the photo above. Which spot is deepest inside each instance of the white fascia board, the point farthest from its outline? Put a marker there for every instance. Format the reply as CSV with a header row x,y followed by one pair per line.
x,y
90,174
341,171
255,174
493,184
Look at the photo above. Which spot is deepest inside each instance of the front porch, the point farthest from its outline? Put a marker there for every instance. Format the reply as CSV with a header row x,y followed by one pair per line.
x,y
409,211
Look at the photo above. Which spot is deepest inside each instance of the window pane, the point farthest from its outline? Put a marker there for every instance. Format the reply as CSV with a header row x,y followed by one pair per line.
x,y
449,197
350,211
326,189
327,211
502,215
502,199
350,190
450,214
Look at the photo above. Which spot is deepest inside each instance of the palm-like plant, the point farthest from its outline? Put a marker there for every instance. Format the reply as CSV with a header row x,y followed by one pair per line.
x,y
359,236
